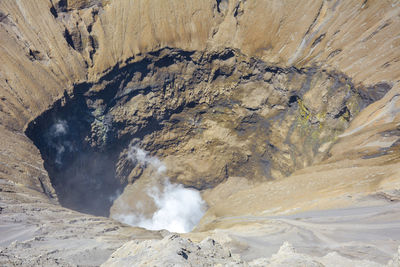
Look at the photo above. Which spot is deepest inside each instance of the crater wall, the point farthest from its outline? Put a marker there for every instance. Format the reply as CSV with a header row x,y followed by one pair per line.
x,y
303,90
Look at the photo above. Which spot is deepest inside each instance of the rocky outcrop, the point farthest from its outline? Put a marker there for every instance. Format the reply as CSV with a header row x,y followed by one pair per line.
x,y
173,250
176,251
207,116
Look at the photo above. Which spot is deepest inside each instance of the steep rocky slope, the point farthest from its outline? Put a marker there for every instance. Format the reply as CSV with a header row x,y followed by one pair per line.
x,y
268,107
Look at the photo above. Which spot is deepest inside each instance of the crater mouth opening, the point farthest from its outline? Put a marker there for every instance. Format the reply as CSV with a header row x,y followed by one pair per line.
x,y
205,115
82,174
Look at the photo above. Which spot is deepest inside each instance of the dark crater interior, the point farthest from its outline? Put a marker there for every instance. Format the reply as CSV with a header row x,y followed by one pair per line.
x,y
83,137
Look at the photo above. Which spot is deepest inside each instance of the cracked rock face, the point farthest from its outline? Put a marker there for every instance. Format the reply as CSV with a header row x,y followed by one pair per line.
x,y
266,107
207,116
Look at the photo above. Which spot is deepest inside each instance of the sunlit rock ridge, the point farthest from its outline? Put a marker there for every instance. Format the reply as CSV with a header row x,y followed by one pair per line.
x,y
282,116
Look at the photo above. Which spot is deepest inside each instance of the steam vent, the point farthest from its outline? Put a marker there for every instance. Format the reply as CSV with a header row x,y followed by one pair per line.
x,y
200,133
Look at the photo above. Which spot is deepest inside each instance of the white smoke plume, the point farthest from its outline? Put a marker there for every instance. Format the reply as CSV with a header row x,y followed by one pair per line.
x,y
136,154
179,209
59,128
55,139
114,196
